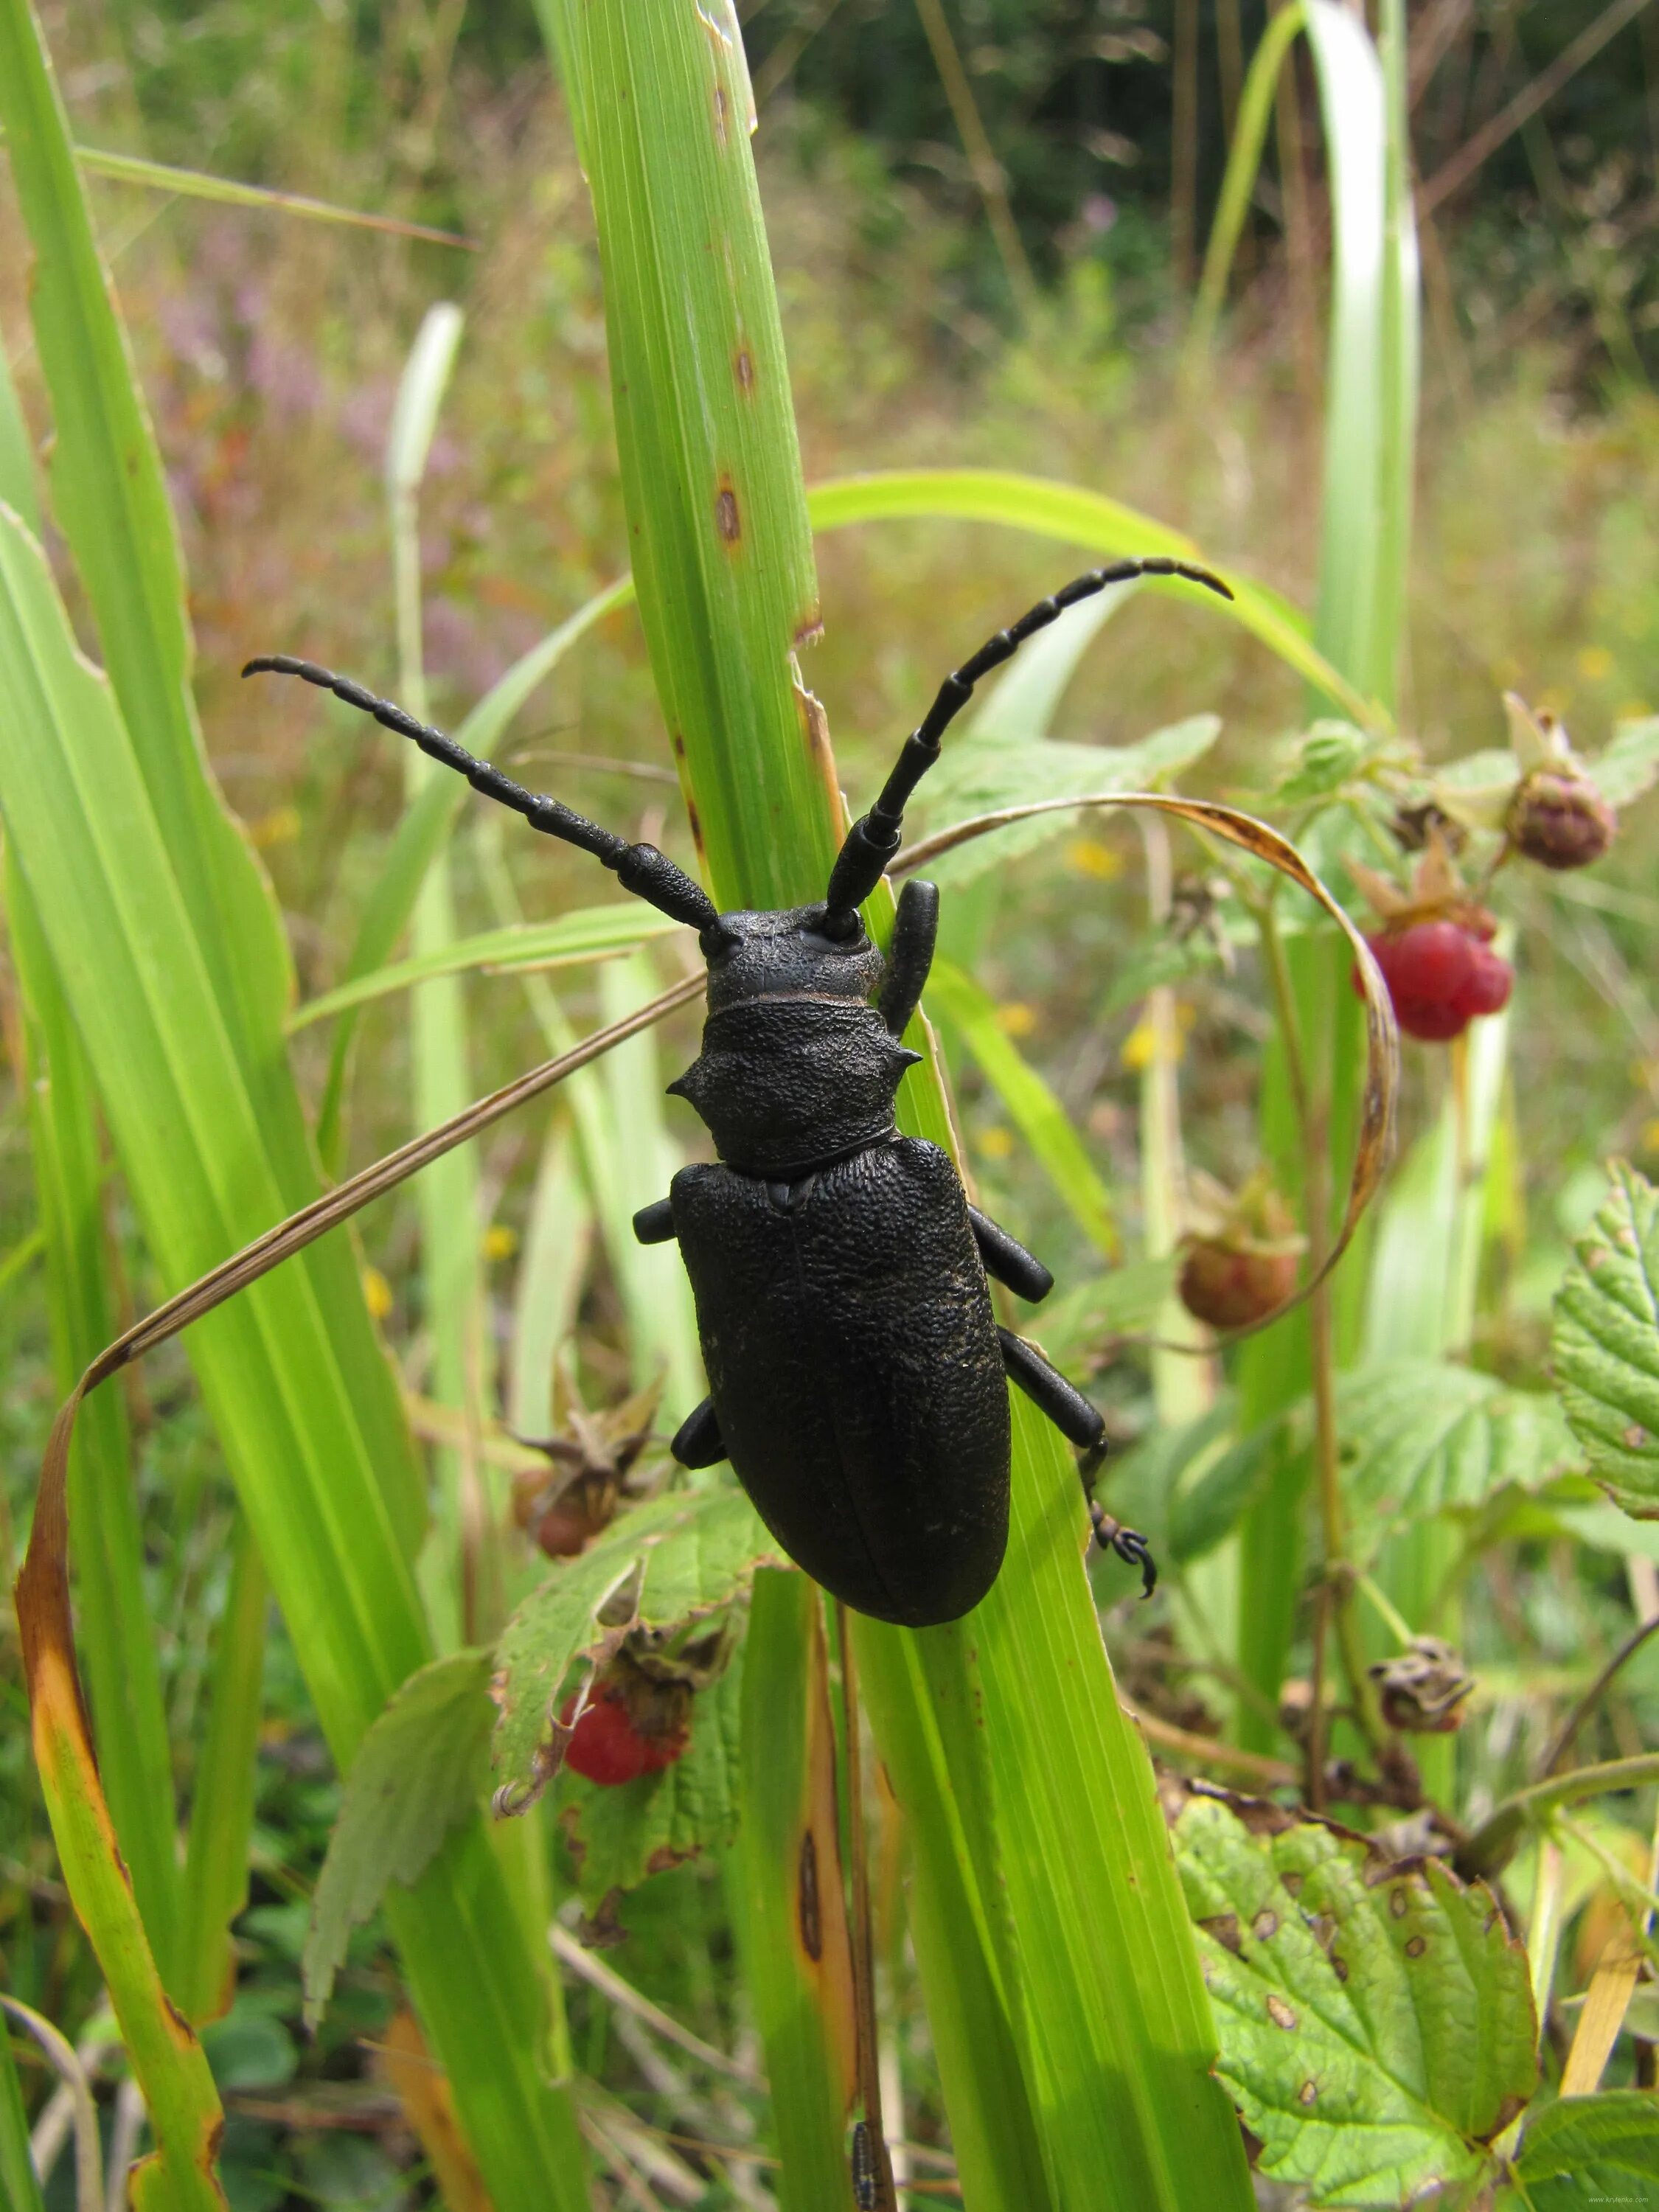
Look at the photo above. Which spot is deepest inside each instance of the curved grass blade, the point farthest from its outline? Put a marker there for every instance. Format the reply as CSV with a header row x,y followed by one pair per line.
x,y
595,932
1080,517
1239,181
1374,1143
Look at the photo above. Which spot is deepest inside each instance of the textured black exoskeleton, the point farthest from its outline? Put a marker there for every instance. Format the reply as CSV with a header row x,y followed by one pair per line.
x,y
857,1374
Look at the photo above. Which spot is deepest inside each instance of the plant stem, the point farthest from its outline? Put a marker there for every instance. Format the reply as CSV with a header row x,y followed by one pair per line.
x,y
1316,1137
1576,1719
1493,1844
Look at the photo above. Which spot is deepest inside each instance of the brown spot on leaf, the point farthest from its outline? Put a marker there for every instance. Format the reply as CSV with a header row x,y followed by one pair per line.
x,y
1417,1947
727,520
1635,1436
666,1856
808,630
678,743
1264,1925
696,820
1338,1966
1307,2093
745,367
1399,1903
1278,2012
1291,1883
1225,1927
808,1911
722,109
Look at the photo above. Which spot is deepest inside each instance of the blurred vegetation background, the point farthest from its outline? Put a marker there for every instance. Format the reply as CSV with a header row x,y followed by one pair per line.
x,y
985,218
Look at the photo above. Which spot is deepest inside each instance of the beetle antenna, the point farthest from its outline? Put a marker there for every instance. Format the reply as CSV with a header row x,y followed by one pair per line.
x,y
642,869
874,837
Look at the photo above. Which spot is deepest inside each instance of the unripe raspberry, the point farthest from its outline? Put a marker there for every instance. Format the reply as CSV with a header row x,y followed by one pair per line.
x,y
1229,1285
1560,819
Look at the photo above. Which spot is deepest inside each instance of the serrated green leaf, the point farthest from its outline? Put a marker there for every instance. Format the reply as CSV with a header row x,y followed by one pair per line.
x,y
1423,1436
1630,764
419,1770
987,771
619,1836
1376,2024
1590,2150
1605,1343
681,1557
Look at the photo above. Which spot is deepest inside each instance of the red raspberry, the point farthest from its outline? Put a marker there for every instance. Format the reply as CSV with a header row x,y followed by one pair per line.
x,y
1440,976
1491,981
609,1747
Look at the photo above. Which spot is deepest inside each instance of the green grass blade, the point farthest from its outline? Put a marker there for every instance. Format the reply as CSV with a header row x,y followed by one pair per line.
x,y
593,933
661,97
1239,180
1031,1106
123,1675
19,2190
796,1959
222,1801
551,1272
1082,518
1350,530
334,1523
452,1273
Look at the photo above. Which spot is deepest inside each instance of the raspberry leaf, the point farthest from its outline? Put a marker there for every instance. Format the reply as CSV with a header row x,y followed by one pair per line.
x,y
1377,2026
1605,1345
419,1770
1589,2150
1422,1437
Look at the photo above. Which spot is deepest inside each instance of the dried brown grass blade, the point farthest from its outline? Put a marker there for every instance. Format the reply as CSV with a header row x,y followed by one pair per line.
x,y
1375,1142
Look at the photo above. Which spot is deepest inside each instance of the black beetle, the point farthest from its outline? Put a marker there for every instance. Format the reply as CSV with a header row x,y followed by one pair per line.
x,y
856,1368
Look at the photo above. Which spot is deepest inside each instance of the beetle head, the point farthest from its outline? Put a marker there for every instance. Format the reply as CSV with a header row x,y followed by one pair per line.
x,y
763,955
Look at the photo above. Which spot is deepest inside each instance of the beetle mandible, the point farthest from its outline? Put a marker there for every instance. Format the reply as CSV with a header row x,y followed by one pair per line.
x,y
857,1373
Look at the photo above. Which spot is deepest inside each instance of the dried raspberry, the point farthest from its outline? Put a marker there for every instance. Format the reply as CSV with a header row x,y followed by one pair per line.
x,y
1229,1285
633,1724
1559,819
1422,1689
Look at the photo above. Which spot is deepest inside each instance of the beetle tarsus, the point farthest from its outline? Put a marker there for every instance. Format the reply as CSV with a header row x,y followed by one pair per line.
x,y
1130,1546
697,1442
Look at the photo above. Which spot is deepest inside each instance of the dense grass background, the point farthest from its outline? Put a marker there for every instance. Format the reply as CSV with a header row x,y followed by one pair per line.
x,y
270,352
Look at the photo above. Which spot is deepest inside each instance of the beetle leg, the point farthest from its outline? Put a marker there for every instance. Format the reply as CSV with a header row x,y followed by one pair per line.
x,y
1007,1260
655,1224
1080,1424
909,954
697,1441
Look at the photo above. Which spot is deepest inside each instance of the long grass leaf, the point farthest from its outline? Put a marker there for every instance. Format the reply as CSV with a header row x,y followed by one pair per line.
x,y
20,2191
222,1801
590,934
1082,518
296,1408
122,1673
661,99
1238,179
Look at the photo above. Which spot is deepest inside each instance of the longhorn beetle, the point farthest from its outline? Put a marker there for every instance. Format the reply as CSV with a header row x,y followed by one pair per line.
x,y
855,1365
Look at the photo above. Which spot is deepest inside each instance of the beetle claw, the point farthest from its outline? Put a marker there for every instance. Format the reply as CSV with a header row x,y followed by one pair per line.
x,y
1130,1546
